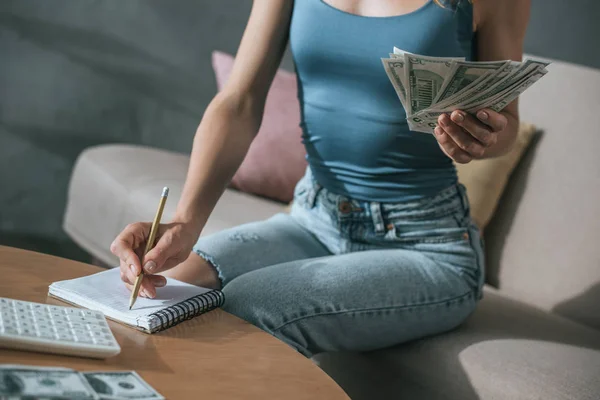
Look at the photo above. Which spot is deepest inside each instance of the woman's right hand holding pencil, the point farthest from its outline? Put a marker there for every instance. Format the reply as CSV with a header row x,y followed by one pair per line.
x,y
174,242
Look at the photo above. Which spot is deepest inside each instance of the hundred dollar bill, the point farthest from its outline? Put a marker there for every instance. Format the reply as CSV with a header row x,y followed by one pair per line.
x,y
121,385
487,81
394,68
464,74
427,121
419,124
486,95
424,77
20,381
500,104
478,95
400,53
397,76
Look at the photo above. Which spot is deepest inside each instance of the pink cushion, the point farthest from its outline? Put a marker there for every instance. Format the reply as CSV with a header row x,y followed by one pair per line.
x,y
275,161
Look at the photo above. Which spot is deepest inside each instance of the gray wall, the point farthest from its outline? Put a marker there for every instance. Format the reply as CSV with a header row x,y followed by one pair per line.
x,y
76,73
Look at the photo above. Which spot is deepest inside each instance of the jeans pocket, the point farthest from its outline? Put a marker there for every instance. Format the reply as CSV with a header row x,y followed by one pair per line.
x,y
432,236
438,230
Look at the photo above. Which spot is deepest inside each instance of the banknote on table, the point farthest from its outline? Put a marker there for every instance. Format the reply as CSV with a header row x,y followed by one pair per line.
x,y
25,382
121,385
431,86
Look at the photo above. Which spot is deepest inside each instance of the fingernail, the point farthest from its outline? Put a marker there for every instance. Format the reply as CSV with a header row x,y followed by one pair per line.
x,y
132,269
458,117
160,283
143,293
150,266
482,115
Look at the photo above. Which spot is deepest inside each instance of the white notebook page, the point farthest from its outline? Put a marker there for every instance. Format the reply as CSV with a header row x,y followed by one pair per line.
x,y
106,292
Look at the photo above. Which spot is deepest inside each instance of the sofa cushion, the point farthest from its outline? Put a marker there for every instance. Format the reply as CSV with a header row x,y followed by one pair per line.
x,y
486,179
543,240
114,185
506,350
275,161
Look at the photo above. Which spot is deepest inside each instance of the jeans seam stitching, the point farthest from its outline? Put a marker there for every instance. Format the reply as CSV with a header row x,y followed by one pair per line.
x,y
469,293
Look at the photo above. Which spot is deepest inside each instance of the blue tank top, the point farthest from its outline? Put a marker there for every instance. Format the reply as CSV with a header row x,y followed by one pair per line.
x,y
355,132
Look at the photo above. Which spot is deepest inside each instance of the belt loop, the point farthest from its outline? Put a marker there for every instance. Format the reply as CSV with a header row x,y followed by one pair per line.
x,y
377,217
462,190
313,191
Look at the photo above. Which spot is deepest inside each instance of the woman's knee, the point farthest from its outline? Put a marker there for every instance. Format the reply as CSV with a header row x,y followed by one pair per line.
x,y
256,300
196,270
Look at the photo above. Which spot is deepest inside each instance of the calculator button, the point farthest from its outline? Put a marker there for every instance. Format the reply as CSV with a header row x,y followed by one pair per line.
x,y
81,332
66,337
85,339
27,331
47,335
60,320
10,330
44,327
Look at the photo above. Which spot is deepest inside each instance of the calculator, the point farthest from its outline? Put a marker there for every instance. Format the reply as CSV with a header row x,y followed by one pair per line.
x,y
54,329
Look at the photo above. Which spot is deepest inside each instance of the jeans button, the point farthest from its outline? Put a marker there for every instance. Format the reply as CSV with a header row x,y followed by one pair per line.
x,y
345,207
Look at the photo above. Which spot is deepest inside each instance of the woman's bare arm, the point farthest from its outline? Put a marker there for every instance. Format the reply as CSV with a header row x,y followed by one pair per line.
x,y
229,125
501,27
233,118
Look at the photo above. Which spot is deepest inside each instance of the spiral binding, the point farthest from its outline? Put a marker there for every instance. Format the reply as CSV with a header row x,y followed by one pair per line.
x,y
189,309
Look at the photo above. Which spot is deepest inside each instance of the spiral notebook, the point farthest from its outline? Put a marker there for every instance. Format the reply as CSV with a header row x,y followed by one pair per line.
x,y
105,292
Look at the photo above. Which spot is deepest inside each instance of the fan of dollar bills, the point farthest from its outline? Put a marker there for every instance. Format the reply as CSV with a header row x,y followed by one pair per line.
x,y
431,86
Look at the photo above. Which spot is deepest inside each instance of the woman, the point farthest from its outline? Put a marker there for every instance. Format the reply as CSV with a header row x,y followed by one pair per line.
x,y
379,247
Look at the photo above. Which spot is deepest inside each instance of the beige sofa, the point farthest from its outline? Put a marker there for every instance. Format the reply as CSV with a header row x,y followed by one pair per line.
x,y
536,333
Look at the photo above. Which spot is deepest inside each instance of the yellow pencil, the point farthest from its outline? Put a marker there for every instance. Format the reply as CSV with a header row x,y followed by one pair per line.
x,y
149,244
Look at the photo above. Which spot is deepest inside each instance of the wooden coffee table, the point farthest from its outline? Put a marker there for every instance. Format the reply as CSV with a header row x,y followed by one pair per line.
x,y
214,356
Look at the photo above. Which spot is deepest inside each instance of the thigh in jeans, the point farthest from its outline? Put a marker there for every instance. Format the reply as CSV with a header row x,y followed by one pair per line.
x,y
236,251
358,301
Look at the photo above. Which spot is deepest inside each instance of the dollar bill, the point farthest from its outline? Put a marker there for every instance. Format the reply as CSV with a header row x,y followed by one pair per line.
x,y
485,93
427,121
509,97
424,77
394,68
464,74
20,381
400,53
121,385
487,81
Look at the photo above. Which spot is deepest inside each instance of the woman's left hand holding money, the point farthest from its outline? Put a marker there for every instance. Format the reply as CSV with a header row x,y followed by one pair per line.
x,y
464,137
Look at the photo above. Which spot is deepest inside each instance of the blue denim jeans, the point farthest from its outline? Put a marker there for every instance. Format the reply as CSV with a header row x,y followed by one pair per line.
x,y
342,274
